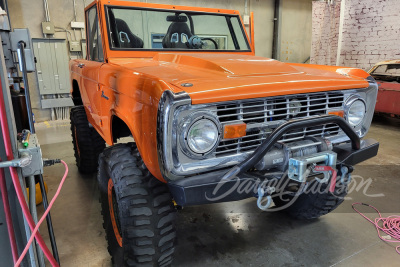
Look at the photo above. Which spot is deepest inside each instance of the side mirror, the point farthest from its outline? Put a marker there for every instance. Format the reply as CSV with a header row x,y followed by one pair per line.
x,y
252,32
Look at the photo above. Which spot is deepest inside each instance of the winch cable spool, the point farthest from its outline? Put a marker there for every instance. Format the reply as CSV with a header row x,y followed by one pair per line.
x,y
389,225
308,146
279,155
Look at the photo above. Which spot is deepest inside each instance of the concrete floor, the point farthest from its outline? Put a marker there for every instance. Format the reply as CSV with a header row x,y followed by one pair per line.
x,y
236,233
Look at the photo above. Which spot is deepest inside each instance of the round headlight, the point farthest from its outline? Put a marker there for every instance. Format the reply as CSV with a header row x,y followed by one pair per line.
x,y
202,136
356,113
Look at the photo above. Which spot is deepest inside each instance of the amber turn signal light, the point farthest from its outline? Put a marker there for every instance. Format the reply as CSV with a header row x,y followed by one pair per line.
x,y
339,113
235,131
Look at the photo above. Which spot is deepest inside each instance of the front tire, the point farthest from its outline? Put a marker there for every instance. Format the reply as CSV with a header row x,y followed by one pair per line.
x,y
314,203
88,143
137,210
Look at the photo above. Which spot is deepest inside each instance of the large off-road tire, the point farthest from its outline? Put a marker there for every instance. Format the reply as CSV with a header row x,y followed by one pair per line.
x,y
88,144
137,209
313,203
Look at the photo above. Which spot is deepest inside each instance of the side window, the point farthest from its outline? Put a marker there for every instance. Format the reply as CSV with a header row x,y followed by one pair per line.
x,y
95,48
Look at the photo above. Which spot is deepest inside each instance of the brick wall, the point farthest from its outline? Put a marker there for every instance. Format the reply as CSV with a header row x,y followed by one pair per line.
x,y
325,33
371,32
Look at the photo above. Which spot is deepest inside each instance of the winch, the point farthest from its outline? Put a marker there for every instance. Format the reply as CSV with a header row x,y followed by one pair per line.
x,y
280,156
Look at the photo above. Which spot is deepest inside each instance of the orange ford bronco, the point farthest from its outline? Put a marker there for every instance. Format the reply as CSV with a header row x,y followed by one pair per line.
x,y
211,122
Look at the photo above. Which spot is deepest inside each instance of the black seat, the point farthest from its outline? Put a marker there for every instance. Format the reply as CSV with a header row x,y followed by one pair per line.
x,y
126,38
177,36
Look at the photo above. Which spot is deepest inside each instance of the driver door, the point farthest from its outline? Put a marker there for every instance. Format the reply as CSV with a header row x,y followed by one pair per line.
x,y
91,68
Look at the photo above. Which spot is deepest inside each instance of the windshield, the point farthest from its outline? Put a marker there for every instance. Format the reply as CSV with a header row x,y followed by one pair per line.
x,y
389,72
136,29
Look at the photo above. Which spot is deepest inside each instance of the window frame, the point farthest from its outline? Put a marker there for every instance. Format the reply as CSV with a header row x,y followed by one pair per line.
x,y
89,33
227,16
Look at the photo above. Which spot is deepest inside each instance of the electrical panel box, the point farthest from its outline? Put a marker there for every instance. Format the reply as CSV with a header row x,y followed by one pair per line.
x,y
52,67
75,46
48,28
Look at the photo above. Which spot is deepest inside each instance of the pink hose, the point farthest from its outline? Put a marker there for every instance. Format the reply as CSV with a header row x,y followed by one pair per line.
x,y
7,212
34,232
389,225
17,185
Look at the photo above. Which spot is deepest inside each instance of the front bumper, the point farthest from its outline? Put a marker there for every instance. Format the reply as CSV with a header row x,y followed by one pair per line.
x,y
222,185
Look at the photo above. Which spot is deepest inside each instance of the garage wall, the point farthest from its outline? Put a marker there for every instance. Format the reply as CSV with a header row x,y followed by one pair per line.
x,y
30,14
295,38
371,32
325,32
296,30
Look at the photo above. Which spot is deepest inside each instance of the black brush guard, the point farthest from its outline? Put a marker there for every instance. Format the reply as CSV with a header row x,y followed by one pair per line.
x,y
198,189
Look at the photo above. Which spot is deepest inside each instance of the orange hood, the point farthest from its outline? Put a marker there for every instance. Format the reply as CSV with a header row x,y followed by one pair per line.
x,y
212,77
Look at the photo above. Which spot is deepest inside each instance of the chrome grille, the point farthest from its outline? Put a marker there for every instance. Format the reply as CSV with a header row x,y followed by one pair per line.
x,y
279,108
273,109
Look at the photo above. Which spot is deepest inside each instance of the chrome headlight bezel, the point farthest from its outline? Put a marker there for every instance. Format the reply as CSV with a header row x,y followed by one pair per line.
x,y
368,96
185,127
349,104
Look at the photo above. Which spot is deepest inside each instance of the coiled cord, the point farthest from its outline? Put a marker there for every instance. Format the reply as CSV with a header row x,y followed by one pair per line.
x,y
389,225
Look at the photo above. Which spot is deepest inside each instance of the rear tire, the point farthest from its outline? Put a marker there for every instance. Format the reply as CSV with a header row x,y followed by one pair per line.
x,y
313,204
137,210
88,144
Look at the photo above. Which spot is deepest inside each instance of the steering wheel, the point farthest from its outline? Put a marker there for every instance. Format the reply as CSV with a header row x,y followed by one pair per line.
x,y
212,40
196,42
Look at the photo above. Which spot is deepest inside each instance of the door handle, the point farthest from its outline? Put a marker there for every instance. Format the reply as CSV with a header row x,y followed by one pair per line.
x,y
81,65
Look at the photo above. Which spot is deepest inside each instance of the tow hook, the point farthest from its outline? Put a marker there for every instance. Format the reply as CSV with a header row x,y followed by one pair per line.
x,y
345,174
267,194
